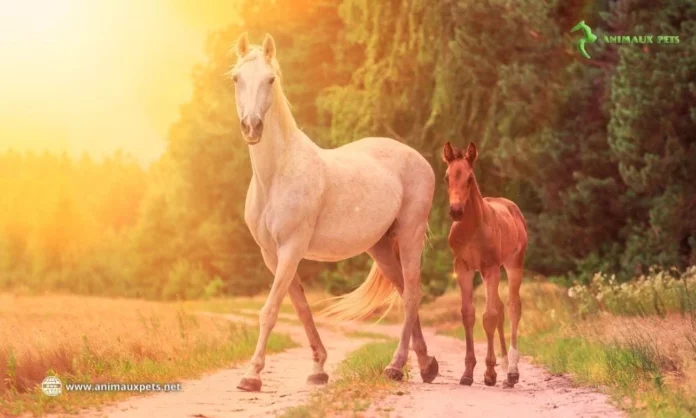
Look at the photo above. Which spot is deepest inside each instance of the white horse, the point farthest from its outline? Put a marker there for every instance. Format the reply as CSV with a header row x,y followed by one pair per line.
x,y
373,195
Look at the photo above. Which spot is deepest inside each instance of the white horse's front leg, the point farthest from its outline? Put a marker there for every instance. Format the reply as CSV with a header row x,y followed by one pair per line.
x,y
289,257
299,301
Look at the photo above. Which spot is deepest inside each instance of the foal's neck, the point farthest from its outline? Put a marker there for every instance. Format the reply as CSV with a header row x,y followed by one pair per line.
x,y
271,151
475,206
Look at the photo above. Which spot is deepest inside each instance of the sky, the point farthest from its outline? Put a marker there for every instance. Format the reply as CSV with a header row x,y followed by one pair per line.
x,y
96,76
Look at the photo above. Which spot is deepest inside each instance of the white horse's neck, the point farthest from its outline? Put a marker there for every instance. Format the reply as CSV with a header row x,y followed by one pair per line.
x,y
279,130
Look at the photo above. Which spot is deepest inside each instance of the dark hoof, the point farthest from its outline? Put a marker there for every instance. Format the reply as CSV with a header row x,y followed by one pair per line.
x,y
489,380
250,385
431,372
393,374
466,381
513,378
508,385
318,379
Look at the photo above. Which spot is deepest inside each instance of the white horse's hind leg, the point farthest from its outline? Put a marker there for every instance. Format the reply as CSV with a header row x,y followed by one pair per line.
x,y
299,301
387,260
410,242
289,257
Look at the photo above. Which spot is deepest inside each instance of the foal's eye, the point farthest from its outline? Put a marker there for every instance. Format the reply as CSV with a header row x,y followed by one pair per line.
x,y
469,180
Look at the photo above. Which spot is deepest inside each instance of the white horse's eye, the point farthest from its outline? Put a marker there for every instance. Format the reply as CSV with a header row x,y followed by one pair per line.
x,y
235,78
271,80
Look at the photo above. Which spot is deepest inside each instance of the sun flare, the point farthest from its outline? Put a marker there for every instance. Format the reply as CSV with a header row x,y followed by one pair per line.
x,y
114,70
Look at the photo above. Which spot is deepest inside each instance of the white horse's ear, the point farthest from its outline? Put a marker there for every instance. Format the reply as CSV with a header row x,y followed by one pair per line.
x,y
471,153
448,153
242,45
269,48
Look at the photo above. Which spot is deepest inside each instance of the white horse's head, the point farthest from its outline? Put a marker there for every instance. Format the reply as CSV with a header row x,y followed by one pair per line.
x,y
254,76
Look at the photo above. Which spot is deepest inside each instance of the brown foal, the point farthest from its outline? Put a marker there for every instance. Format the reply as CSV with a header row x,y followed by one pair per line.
x,y
487,233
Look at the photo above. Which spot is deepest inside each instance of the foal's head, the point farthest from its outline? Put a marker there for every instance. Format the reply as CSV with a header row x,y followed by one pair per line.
x,y
459,176
254,75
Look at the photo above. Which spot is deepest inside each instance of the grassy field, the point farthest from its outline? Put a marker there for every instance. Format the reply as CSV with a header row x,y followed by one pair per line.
x,y
638,341
359,381
98,340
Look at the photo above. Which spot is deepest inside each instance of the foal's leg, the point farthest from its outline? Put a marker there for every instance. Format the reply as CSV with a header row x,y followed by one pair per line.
x,y
490,321
289,257
410,242
465,277
514,272
299,301
384,255
501,334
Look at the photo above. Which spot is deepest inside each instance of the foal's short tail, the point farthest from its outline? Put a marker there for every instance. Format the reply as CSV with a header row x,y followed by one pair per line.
x,y
359,304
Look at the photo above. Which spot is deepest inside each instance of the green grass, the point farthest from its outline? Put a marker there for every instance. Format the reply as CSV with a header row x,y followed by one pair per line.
x,y
632,372
359,381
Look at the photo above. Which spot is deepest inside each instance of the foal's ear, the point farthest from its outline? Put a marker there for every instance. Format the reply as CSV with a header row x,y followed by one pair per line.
x,y
471,153
242,45
269,48
448,154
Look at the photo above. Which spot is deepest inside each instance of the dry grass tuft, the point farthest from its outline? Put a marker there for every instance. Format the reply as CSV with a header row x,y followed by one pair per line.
x,y
665,342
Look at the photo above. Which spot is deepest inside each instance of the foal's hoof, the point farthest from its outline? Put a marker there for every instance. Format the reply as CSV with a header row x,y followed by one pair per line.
x,y
513,378
431,371
394,374
507,384
489,380
466,381
250,385
318,379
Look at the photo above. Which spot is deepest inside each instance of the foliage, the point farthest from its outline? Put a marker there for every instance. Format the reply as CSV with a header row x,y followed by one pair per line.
x,y
597,153
658,293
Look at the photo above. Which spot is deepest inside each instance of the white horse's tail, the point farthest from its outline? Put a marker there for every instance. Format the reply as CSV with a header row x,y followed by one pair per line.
x,y
359,304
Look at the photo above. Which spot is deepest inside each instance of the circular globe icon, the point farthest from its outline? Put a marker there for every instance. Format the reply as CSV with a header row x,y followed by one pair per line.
x,y
52,386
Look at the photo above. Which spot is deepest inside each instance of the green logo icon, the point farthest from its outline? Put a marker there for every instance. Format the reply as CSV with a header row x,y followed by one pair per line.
x,y
589,37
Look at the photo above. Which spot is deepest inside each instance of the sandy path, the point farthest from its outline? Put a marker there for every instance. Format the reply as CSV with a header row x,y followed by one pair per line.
x,y
538,394
216,395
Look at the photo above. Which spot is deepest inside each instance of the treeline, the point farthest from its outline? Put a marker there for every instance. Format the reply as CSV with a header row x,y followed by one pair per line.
x,y
600,154
64,222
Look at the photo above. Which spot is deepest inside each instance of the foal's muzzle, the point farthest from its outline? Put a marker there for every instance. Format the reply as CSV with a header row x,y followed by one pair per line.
x,y
252,129
456,212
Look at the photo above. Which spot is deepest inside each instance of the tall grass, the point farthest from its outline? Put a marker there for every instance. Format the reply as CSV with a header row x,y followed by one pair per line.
x,y
637,338
85,339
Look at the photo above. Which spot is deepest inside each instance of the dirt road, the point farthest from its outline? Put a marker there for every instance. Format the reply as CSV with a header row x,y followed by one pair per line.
x,y
538,394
